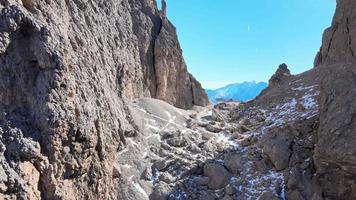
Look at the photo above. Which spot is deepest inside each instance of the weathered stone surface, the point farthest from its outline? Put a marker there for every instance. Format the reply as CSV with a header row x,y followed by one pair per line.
x,y
277,150
218,175
280,76
174,83
339,40
66,67
335,154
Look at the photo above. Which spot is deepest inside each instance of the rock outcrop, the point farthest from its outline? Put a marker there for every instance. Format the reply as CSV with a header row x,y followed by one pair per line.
x,y
338,43
335,154
67,68
335,151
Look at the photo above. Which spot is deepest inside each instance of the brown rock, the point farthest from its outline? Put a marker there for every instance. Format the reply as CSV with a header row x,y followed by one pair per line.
x,y
338,44
278,152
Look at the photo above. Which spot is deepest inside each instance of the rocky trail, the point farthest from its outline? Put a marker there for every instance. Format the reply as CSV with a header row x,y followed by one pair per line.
x,y
226,151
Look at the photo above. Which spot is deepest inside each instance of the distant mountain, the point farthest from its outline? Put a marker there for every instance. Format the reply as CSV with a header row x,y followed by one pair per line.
x,y
238,91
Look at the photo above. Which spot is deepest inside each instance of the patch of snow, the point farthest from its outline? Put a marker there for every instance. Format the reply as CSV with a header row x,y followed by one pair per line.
x,y
301,88
221,137
308,101
126,166
140,189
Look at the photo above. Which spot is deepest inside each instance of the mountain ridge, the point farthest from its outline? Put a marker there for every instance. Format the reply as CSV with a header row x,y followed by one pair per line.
x,y
243,91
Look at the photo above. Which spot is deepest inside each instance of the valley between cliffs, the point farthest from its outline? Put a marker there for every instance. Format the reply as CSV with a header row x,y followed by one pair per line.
x,y
96,103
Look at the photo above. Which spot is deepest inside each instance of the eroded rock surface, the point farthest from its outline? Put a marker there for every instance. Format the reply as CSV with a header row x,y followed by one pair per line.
x,y
67,68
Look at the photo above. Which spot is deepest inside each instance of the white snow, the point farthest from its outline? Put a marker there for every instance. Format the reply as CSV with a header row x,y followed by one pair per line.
x,y
301,88
140,189
221,137
308,101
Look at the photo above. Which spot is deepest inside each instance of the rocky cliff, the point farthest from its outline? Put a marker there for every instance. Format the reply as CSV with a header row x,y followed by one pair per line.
x,y
338,43
73,124
67,68
335,151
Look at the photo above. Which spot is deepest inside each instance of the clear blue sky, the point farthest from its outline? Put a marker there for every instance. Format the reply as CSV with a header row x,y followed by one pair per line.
x,y
228,41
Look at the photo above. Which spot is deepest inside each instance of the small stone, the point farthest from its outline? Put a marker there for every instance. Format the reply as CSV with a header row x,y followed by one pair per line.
x,y
160,165
166,177
268,195
230,189
233,163
207,135
213,128
202,181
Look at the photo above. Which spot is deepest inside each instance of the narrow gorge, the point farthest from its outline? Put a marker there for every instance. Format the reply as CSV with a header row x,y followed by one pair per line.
x,y
96,102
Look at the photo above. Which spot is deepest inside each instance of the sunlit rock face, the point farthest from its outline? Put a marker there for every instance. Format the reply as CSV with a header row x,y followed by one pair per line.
x,y
338,43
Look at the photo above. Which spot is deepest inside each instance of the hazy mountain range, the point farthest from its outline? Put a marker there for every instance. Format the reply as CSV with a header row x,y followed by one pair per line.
x,y
238,91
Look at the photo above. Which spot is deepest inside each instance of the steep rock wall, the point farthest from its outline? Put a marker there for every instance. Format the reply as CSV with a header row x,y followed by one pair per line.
x,y
66,69
334,156
339,43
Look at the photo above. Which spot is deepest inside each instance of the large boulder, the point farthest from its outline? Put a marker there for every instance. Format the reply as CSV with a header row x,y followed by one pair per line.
x,y
277,149
219,177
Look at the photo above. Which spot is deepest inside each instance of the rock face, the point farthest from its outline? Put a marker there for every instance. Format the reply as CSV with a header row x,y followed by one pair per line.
x,y
339,44
335,151
66,69
174,84
335,155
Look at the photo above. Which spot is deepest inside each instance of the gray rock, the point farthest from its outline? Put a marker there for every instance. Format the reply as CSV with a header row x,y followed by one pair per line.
x,y
218,175
234,163
202,181
213,128
277,150
161,192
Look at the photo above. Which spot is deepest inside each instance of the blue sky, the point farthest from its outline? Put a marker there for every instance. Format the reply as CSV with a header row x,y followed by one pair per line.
x,y
228,41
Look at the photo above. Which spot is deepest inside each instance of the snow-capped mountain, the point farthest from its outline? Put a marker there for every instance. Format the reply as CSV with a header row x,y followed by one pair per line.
x,y
238,91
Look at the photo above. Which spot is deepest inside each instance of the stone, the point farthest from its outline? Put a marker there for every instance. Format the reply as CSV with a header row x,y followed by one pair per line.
x,y
281,75
226,197
160,164
230,189
207,135
218,175
202,181
268,196
178,141
233,162
161,192
278,152
213,128
166,177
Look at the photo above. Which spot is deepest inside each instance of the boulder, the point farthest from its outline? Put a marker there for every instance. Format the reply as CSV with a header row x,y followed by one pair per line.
x,y
234,163
218,175
161,192
277,150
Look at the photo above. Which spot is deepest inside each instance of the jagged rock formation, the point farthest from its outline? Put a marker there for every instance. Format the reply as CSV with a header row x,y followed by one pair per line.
x,y
339,44
68,129
280,76
66,69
